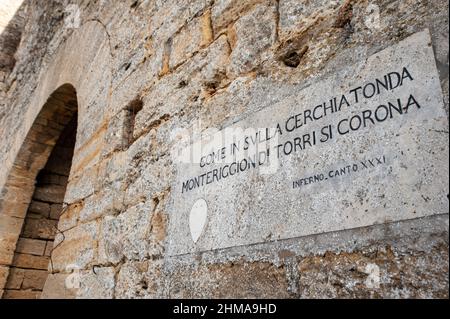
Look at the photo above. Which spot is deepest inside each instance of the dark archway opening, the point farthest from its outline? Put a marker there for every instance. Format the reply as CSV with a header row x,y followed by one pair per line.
x,y
32,257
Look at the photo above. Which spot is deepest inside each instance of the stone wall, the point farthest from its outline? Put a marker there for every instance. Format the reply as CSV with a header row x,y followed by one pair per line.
x,y
145,70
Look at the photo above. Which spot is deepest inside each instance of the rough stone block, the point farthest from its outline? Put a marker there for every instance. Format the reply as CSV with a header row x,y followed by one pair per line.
x,y
176,91
255,33
55,287
69,218
296,16
127,234
87,156
137,280
107,202
15,278
112,171
3,276
55,179
39,228
110,244
237,280
119,132
375,273
30,261
78,248
131,279
14,207
50,193
21,294
127,90
48,248
40,208
172,16
11,225
225,12
216,61
34,279
55,211
82,185
149,179
31,246
197,34
14,201
97,286
7,246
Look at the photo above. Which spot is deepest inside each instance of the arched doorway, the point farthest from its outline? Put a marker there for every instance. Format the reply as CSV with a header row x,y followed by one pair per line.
x,y
34,197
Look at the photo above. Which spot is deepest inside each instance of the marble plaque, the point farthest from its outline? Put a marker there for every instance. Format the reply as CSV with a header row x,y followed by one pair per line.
x,y
368,145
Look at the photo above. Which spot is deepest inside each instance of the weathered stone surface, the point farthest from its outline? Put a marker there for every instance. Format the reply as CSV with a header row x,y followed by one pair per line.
x,y
139,280
254,32
171,17
14,208
113,171
56,288
50,193
10,224
10,228
70,216
107,202
30,261
48,249
237,280
55,211
86,157
176,90
98,285
197,34
3,275
127,235
375,274
25,279
111,247
7,246
34,279
81,186
296,16
15,201
39,228
153,180
41,208
31,246
225,12
119,133
78,247
21,294
15,278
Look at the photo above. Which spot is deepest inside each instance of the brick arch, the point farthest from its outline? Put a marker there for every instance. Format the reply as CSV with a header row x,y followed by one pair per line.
x,y
84,60
43,159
